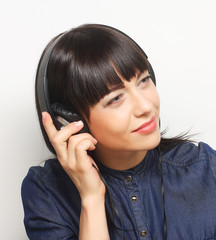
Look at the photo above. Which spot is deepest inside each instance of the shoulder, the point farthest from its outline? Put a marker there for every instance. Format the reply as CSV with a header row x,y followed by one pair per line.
x,y
49,180
50,172
42,179
50,199
189,153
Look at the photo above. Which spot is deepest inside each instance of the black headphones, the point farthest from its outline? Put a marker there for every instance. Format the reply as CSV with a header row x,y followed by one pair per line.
x,y
60,114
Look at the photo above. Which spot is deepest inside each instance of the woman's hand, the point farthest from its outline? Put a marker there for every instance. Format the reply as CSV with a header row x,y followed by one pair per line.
x,y
72,154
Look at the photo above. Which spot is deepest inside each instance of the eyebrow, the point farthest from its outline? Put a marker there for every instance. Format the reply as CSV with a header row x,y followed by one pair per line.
x,y
120,86
116,87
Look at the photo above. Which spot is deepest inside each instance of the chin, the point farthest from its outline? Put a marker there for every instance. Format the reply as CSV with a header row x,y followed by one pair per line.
x,y
152,141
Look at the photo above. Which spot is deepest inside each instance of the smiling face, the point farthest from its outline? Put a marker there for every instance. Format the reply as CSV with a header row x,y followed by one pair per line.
x,y
85,62
127,119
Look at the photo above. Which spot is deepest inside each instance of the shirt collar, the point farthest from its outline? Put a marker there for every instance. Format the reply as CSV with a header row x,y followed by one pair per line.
x,y
136,173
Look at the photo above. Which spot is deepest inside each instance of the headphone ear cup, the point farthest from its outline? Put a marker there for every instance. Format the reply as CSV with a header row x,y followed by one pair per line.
x,y
68,114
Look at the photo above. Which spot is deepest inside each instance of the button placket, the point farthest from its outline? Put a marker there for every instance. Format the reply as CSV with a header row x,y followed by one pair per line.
x,y
143,233
131,185
134,198
141,225
128,178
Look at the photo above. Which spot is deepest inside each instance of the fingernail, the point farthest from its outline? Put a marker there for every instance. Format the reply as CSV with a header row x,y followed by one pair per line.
x,y
95,140
78,123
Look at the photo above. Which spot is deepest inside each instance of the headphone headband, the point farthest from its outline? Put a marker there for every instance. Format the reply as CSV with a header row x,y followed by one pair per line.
x,y
42,81
59,113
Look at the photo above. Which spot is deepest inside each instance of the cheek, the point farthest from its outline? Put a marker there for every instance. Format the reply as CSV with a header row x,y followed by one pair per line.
x,y
155,99
107,124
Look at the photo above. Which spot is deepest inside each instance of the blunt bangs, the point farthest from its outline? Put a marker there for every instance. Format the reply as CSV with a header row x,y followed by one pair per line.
x,y
88,61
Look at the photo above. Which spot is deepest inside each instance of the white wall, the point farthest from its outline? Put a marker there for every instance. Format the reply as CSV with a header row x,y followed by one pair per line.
x,y
178,36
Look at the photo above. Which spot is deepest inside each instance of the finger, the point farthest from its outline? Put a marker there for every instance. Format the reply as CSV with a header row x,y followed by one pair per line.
x,y
81,136
52,132
81,155
70,130
48,125
59,138
64,133
74,141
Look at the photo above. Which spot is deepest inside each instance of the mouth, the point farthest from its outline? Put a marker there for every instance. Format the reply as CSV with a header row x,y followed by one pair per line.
x,y
147,127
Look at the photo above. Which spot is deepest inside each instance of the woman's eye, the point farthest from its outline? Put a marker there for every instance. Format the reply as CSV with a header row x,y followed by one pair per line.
x,y
145,80
114,100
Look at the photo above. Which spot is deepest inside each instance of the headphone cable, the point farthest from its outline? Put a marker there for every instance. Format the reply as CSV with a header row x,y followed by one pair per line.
x,y
162,192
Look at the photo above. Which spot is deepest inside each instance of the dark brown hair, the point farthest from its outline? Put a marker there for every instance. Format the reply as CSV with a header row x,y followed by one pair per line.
x,y
81,68
84,65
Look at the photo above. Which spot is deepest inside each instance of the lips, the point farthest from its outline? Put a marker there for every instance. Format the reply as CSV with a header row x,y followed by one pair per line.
x,y
147,127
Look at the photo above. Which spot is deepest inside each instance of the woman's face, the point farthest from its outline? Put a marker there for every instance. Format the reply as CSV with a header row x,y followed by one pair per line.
x,y
127,118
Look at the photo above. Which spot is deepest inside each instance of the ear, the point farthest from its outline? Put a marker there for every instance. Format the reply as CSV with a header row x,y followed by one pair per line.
x,y
68,114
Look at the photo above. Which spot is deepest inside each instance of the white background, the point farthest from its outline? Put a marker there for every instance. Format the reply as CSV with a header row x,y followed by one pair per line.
x,y
178,36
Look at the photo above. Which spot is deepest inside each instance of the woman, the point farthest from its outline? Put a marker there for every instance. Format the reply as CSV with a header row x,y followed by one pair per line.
x,y
117,178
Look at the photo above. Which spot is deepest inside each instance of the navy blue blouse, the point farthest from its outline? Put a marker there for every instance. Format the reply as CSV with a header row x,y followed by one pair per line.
x,y
52,203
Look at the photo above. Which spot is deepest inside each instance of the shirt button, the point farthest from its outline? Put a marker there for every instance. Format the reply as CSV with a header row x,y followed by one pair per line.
x,y
128,178
134,198
143,233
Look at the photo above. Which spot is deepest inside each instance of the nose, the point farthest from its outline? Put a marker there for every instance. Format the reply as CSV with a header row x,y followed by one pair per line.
x,y
141,104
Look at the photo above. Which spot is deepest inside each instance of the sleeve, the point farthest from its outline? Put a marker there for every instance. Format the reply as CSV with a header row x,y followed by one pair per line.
x,y
212,157
41,218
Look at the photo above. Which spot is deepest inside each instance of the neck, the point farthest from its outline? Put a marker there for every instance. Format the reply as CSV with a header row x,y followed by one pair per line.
x,y
119,160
